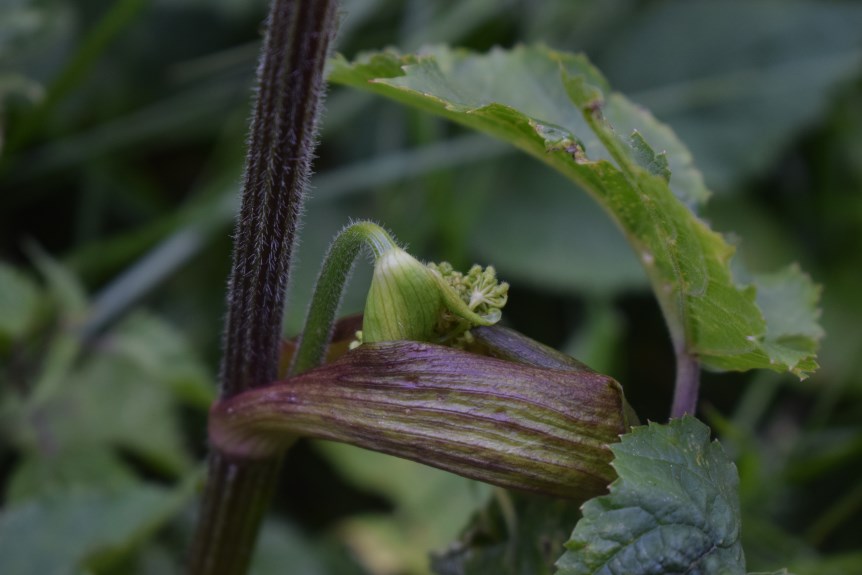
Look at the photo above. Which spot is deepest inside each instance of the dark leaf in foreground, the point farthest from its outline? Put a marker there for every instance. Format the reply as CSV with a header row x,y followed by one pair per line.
x,y
674,509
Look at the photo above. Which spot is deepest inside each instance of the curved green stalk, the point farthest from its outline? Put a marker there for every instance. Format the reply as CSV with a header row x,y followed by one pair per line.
x,y
329,289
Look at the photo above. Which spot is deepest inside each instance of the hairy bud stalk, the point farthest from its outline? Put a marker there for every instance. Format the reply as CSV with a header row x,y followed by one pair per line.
x,y
520,426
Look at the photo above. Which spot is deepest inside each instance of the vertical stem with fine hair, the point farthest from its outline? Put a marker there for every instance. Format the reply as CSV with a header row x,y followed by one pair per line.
x,y
281,143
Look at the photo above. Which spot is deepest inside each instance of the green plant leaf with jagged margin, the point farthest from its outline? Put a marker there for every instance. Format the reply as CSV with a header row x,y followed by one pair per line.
x,y
558,107
673,509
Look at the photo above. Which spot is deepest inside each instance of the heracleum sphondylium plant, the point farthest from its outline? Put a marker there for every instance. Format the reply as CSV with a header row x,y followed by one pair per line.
x,y
537,425
497,406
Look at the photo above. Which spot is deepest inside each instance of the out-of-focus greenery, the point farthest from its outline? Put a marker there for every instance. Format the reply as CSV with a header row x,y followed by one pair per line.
x,y
123,126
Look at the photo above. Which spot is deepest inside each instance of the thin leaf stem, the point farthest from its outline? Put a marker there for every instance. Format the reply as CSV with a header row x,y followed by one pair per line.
x,y
281,143
687,386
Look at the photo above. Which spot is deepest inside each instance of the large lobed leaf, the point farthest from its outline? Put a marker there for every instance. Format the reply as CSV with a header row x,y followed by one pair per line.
x,y
558,107
674,509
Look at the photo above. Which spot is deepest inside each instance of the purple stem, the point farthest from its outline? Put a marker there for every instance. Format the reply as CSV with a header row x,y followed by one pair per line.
x,y
687,385
281,145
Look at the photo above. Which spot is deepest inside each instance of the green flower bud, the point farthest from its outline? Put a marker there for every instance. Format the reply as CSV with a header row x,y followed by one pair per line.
x,y
411,301
404,301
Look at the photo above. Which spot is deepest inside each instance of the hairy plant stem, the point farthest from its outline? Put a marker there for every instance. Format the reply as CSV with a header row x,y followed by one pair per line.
x,y
281,143
687,386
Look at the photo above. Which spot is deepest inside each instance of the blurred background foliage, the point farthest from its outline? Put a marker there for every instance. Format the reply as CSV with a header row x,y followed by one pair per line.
x,y
122,130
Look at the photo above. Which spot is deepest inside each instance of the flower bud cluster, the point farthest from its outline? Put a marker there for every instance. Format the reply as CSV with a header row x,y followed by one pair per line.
x,y
409,300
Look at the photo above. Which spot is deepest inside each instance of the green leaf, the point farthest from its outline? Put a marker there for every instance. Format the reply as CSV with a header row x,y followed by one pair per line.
x,y
65,288
70,530
40,475
559,108
673,509
135,380
788,300
161,352
20,301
